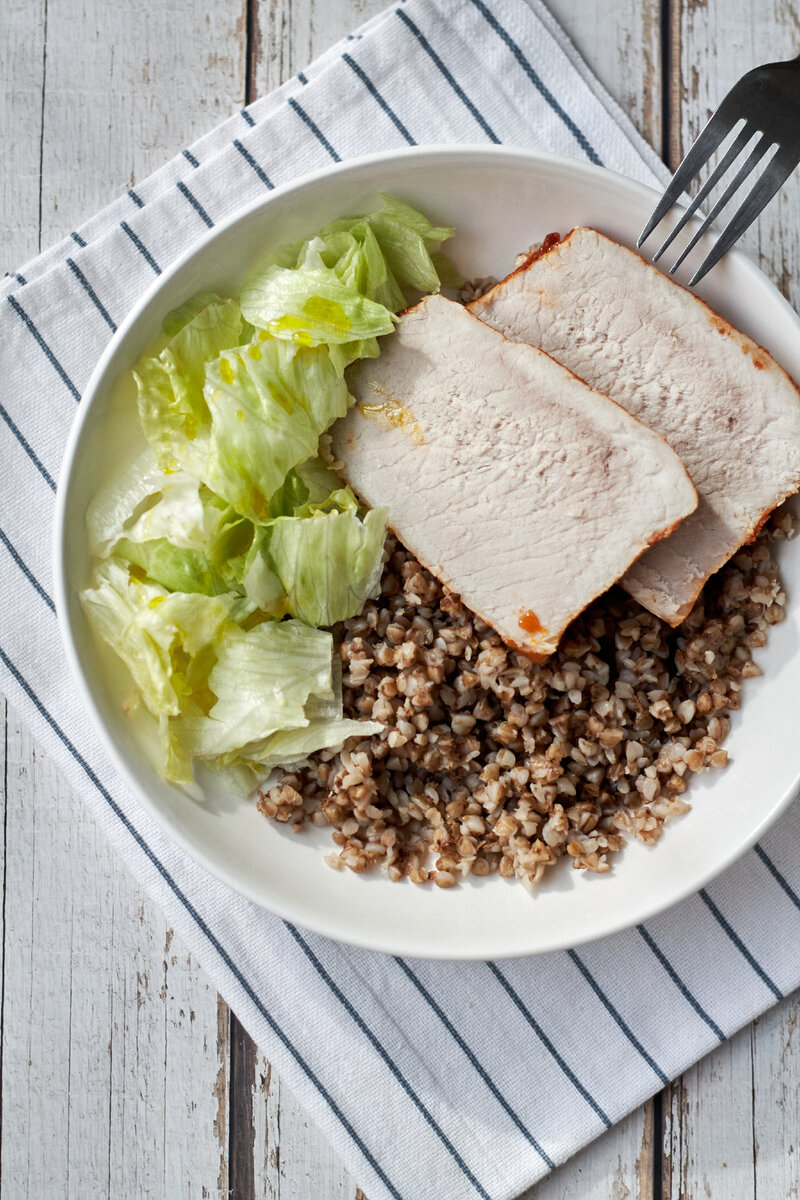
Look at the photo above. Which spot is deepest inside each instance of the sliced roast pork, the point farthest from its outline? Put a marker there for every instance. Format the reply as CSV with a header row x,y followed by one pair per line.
x,y
520,487
725,406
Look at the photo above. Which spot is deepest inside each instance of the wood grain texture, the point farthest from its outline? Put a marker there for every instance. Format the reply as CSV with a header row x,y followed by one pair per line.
x,y
288,35
115,1062
730,1124
618,1166
115,1067
292,1160
708,1130
775,1057
622,45
718,40
22,39
126,86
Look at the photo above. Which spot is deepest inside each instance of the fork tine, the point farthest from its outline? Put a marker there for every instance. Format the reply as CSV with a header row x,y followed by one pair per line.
x,y
701,150
730,156
752,160
777,172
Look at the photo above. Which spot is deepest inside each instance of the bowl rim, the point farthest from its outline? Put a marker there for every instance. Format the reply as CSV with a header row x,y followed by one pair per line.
x,y
94,386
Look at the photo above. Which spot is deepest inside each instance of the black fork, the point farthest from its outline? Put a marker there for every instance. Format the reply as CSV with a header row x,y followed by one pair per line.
x,y
767,100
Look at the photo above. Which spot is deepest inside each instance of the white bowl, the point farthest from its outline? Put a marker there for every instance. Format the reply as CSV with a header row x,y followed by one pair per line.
x,y
500,201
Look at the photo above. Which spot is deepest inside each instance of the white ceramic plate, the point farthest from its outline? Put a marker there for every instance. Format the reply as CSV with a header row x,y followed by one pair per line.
x,y
500,201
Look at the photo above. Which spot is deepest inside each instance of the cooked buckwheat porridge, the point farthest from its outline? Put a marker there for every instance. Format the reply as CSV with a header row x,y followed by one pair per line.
x,y
489,763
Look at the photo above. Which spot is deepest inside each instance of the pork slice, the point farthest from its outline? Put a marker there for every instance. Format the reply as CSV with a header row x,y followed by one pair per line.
x,y
517,485
725,406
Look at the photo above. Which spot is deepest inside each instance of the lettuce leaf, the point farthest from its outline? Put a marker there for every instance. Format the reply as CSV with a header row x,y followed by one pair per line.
x,y
172,408
383,255
176,568
112,509
326,727
167,642
293,746
262,680
311,306
269,402
213,687
329,562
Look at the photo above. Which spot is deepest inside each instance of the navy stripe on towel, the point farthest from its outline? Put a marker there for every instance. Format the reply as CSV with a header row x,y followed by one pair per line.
x,y
140,246
492,1086
777,876
20,278
29,450
195,203
315,129
92,294
137,200
390,1063
739,944
190,158
31,578
459,91
548,1045
541,87
76,237
248,158
245,115
43,346
679,984
373,91
201,924
609,1007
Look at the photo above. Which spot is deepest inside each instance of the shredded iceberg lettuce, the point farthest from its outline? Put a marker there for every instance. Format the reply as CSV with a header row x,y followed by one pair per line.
x,y
306,552
172,409
269,402
311,306
228,547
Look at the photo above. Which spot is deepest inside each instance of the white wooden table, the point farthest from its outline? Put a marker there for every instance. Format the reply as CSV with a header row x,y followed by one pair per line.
x,y
123,1074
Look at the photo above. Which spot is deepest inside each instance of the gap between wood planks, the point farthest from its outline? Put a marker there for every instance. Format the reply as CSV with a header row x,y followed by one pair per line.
x,y
241,1131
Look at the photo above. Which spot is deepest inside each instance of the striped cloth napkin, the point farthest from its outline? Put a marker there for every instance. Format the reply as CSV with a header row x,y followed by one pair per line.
x,y
431,1080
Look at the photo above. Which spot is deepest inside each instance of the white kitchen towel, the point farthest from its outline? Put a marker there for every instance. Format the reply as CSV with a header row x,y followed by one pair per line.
x,y
431,1080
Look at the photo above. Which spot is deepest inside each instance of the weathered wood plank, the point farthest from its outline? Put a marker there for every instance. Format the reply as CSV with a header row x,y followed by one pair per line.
x,y
622,45
776,1100
22,34
708,1127
731,1123
618,1166
288,35
116,1058
241,1130
292,1160
718,41
126,86
738,1108
114,1068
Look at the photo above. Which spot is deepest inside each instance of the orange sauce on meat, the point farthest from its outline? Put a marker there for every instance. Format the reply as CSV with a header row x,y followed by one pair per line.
x,y
529,621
